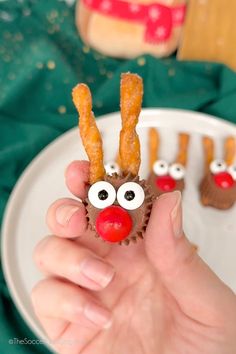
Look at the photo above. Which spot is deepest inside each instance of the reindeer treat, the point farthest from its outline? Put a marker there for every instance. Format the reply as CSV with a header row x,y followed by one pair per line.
x,y
118,205
128,28
166,177
218,186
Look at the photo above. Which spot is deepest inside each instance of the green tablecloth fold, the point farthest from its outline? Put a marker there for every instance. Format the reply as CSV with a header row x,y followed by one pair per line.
x,y
41,59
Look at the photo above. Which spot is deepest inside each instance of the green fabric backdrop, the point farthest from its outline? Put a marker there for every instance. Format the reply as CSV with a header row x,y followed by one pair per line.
x,y
41,59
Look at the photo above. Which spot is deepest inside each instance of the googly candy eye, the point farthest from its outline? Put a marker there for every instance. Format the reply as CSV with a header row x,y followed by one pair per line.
x,y
160,168
217,166
232,171
101,194
177,171
112,167
130,195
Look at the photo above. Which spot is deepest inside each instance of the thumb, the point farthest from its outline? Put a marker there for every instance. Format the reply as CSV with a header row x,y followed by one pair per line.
x,y
198,291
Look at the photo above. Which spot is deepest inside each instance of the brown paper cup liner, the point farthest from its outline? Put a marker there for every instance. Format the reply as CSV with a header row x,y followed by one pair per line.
x,y
212,195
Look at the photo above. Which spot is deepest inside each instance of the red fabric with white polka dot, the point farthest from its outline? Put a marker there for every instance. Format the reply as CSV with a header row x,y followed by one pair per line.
x,y
159,20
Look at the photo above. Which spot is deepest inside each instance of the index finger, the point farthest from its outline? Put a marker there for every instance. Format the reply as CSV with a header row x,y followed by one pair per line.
x,y
77,178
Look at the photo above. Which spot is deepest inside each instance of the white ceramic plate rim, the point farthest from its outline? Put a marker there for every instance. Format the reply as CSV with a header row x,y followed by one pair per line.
x,y
198,116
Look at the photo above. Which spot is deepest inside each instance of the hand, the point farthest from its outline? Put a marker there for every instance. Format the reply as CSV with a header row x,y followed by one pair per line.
x,y
156,296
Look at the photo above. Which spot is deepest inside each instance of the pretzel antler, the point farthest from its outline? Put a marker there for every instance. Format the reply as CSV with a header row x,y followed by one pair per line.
x,y
208,146
230,150
183,149
118,159
131,92
154,142
89,132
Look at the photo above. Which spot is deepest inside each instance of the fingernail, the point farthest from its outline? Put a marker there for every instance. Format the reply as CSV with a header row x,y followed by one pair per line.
x,y
98,315
176,215
98,271
64,213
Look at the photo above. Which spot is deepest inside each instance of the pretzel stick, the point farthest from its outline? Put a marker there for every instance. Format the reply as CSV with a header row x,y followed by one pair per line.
x,y
208,146
183,149
230,150
118,159
89,132
154,143
131,92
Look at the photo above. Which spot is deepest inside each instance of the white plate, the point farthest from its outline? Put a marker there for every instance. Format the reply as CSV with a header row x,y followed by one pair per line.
x,y
43,182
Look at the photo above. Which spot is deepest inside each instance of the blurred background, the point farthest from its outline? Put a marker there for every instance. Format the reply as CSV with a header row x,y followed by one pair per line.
x,y
47,47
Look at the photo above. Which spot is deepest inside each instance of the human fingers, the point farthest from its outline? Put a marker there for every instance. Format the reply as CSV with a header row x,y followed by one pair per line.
x,y
197,289
66,217
70,260
77,178
54,298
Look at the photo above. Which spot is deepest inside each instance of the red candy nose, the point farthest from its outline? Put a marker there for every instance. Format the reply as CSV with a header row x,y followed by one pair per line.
x,y
166,183
223,180
114,224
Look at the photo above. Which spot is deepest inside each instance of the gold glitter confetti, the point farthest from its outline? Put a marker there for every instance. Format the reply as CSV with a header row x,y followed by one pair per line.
x,y
7,58
18,37
202,91
53,29
34,47
51,17
98,56
98,104
26,12
86,49
51,65
141,61
11,76
39,65
54,14
208,68
171,72
61,20
62,109
90,79
50,30
48,86
7,35
56,28
109,75
167,61
102,71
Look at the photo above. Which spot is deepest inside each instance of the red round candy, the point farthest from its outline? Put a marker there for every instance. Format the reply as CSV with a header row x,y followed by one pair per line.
x,y
224,180
113,224
166,183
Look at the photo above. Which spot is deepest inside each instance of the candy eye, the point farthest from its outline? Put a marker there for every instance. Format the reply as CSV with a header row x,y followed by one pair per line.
x,y
101,194
217,166
130,195
177,171
160,168
232,171
112,167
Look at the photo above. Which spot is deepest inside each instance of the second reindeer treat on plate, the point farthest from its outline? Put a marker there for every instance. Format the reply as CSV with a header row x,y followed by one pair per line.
x,y
118,205
165,177
218,186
